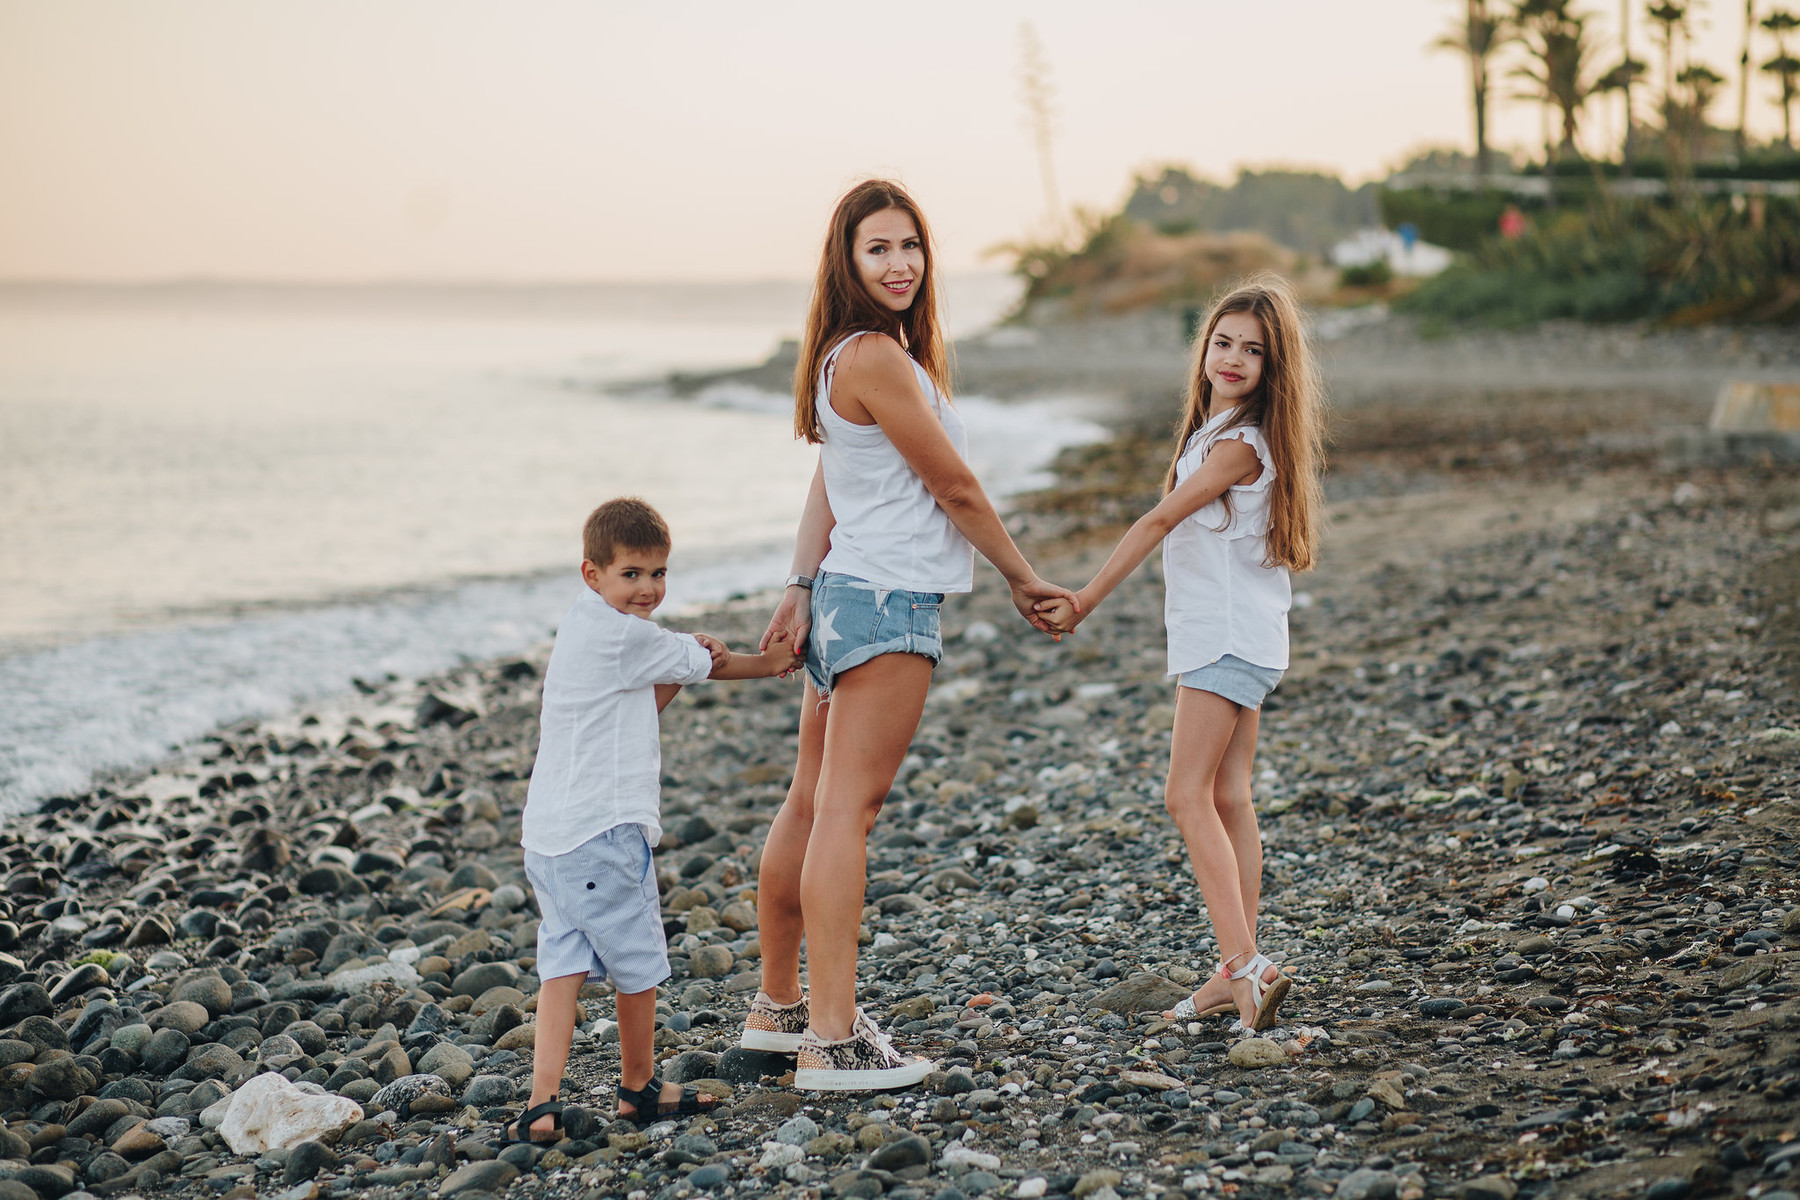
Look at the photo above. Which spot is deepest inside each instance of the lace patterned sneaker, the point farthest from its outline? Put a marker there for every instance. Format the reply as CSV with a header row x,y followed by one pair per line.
x,y
866,1061
774,1027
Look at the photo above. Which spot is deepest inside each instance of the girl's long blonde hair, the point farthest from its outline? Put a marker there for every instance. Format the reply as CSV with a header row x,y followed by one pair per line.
x,y
841,305
1288,407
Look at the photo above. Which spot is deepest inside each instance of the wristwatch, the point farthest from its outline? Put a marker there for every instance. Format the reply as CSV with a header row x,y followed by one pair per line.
x,y
805,581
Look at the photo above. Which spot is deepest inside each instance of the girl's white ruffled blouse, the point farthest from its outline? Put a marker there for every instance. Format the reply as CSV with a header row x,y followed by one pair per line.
x,y
1220,598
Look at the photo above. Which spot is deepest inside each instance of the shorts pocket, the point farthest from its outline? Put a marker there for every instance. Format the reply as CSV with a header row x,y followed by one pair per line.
x,y
927,622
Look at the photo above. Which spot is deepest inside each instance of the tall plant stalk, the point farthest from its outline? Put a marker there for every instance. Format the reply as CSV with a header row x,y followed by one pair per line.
x,y
1625,62
1039,93
1743,138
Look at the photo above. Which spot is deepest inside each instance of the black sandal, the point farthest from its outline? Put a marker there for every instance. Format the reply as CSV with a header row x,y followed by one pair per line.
x,y
521,1128
647,1103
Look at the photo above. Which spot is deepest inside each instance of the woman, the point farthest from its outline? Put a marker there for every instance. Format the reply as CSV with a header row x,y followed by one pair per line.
x,y
888,528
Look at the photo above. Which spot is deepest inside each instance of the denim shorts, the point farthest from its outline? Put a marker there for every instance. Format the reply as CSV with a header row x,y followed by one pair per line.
x,y
1238,681
602,912
854,621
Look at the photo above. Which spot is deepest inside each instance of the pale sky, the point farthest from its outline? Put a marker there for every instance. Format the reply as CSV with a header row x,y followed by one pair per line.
x,y
588,139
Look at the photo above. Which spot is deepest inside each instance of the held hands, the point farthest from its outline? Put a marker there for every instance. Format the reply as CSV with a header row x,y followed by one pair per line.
x,y
1033,595
776,658
792,621
1062,616
780,655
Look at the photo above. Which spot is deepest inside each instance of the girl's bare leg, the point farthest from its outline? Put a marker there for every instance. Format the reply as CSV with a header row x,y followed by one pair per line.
x,y
1231,793
875,710
1208,795
778,916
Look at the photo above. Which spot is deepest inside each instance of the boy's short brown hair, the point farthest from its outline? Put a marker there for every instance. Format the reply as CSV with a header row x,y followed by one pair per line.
x,y
623,524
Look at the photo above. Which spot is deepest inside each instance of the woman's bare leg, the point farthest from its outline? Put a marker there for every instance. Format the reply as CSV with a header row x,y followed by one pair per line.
x,y
875,710
778,917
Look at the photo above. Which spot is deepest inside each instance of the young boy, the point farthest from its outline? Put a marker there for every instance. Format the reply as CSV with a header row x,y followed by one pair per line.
x,y
592,811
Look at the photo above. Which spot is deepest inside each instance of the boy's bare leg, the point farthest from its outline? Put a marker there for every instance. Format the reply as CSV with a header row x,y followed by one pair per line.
x,y
637,1050
557,1002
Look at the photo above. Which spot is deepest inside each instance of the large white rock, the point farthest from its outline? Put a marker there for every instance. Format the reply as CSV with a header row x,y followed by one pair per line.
x,y
269,1113
957,1152
354,981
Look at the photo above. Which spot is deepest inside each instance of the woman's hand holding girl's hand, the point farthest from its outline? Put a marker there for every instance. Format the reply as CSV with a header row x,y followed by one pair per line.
x,y
1059,614
1029,594
792,621
1063,615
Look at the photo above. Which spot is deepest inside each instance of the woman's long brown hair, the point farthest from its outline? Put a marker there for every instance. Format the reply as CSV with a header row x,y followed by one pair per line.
x,y
841,305
1288,407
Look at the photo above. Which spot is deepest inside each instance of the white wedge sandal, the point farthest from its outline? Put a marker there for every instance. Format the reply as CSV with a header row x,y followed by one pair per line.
x,y
1267,995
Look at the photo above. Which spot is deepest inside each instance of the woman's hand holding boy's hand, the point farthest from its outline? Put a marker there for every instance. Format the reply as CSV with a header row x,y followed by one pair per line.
x,y
780,655
776,658
792,620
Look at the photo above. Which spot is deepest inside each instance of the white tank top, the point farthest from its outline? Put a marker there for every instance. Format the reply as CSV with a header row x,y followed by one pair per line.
x,y
1219,598
890,530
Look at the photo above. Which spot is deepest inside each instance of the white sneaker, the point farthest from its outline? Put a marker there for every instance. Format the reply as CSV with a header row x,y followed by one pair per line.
x,y
866,1061
774,1027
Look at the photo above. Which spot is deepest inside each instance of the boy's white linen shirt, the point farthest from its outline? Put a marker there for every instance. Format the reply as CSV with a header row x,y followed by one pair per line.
x,y
599,760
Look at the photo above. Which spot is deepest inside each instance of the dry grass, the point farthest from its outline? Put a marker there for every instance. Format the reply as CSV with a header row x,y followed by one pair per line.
x,y
1126,266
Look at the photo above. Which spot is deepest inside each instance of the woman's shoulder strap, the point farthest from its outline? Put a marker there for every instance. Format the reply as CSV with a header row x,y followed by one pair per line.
x,y
831,355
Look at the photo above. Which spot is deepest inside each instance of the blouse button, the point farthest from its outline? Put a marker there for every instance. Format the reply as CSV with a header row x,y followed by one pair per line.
x,y
590,887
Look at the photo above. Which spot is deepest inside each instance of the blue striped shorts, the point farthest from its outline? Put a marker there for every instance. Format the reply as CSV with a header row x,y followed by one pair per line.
x,y
602,914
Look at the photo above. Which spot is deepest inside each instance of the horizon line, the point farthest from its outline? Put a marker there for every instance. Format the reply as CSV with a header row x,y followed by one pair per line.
x,y
169,282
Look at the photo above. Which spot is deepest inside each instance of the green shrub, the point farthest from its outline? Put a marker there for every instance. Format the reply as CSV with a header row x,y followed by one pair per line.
x,y
1452,219
1615,263
1373,274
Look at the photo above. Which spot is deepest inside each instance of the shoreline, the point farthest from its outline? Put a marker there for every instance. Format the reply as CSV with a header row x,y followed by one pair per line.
x,y
118,697
1539,670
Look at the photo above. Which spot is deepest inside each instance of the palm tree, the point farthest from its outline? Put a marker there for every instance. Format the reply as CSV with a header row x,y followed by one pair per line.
x,y
1781,24
1562,53
1702,83
1476,37
1619,78
1673,19
1672,22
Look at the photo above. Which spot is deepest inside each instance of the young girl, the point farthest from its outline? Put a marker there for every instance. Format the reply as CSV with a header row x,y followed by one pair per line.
x,y
1239,511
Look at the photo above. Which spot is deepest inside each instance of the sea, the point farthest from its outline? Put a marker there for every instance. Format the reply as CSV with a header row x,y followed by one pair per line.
x,y
221,501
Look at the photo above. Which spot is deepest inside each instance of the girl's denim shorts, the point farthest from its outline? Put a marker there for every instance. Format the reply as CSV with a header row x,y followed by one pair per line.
x,y
854,621
1240,682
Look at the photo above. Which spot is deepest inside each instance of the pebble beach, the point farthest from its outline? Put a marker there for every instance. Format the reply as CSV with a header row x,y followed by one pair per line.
x,y
1529,797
